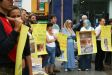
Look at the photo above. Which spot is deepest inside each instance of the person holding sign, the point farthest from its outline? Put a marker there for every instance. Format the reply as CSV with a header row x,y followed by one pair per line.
x,y
108,54
15,13
100,53
8,39
70,64
33,19
85,60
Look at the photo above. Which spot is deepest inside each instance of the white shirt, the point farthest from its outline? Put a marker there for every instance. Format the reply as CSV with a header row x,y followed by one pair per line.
x,y
84,29
50,37
98,32
55,29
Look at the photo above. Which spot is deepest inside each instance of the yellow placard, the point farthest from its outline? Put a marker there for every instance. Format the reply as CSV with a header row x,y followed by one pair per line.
x,y
39,34
20,48
106,38
62,38
86,42
111,36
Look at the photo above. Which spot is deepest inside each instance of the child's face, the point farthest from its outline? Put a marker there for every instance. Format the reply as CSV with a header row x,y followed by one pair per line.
x,y
49,29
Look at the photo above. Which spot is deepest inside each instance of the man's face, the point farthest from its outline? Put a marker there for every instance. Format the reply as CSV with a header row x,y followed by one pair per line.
x,y
102,22
111,23
23,15
54,20
6,5
33,18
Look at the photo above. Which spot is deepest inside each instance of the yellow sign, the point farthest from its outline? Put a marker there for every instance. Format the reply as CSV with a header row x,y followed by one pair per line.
x,y
106,38
39,34
86,42
62,38
111,36
20,48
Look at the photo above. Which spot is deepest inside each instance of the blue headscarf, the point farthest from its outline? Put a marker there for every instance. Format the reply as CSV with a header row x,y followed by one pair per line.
x,y
87,24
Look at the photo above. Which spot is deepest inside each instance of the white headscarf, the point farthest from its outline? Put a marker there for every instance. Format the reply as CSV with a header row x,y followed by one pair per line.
x,y
70,30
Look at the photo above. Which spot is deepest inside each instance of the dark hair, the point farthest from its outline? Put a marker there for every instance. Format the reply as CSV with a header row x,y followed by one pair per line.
x,y
13,8
1,0
100,19
49,25
110,21
32,15
23,10
52,16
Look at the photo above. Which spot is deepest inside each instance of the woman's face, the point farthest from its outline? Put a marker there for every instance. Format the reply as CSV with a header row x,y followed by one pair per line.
x,y
86,25
15,13
69,25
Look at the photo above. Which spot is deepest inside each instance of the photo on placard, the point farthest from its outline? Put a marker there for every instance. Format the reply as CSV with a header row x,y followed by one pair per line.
x,y
86,43
106,44
32,46
40,47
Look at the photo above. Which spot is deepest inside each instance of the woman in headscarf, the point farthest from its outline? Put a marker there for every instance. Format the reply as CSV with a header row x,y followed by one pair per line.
x,y
85,60
70,64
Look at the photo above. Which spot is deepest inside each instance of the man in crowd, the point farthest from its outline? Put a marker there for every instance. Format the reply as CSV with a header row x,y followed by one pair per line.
x,y
56,28
100,53
108,54
80,24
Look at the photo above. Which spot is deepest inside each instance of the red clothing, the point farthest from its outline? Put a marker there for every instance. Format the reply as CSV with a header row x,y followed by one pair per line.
x,y
8,29
8,42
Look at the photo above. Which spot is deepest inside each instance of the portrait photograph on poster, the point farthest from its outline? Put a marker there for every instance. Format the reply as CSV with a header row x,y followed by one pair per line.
x,y
86,42
40,47
32,46
106,38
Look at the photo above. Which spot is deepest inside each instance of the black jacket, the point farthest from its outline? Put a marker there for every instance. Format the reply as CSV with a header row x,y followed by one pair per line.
x,y
6,45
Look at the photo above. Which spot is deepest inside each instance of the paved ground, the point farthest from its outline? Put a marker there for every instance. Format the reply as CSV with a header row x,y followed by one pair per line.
x,y
75,72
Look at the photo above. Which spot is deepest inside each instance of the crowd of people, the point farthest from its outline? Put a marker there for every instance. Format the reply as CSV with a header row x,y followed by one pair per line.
x,y
11,19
